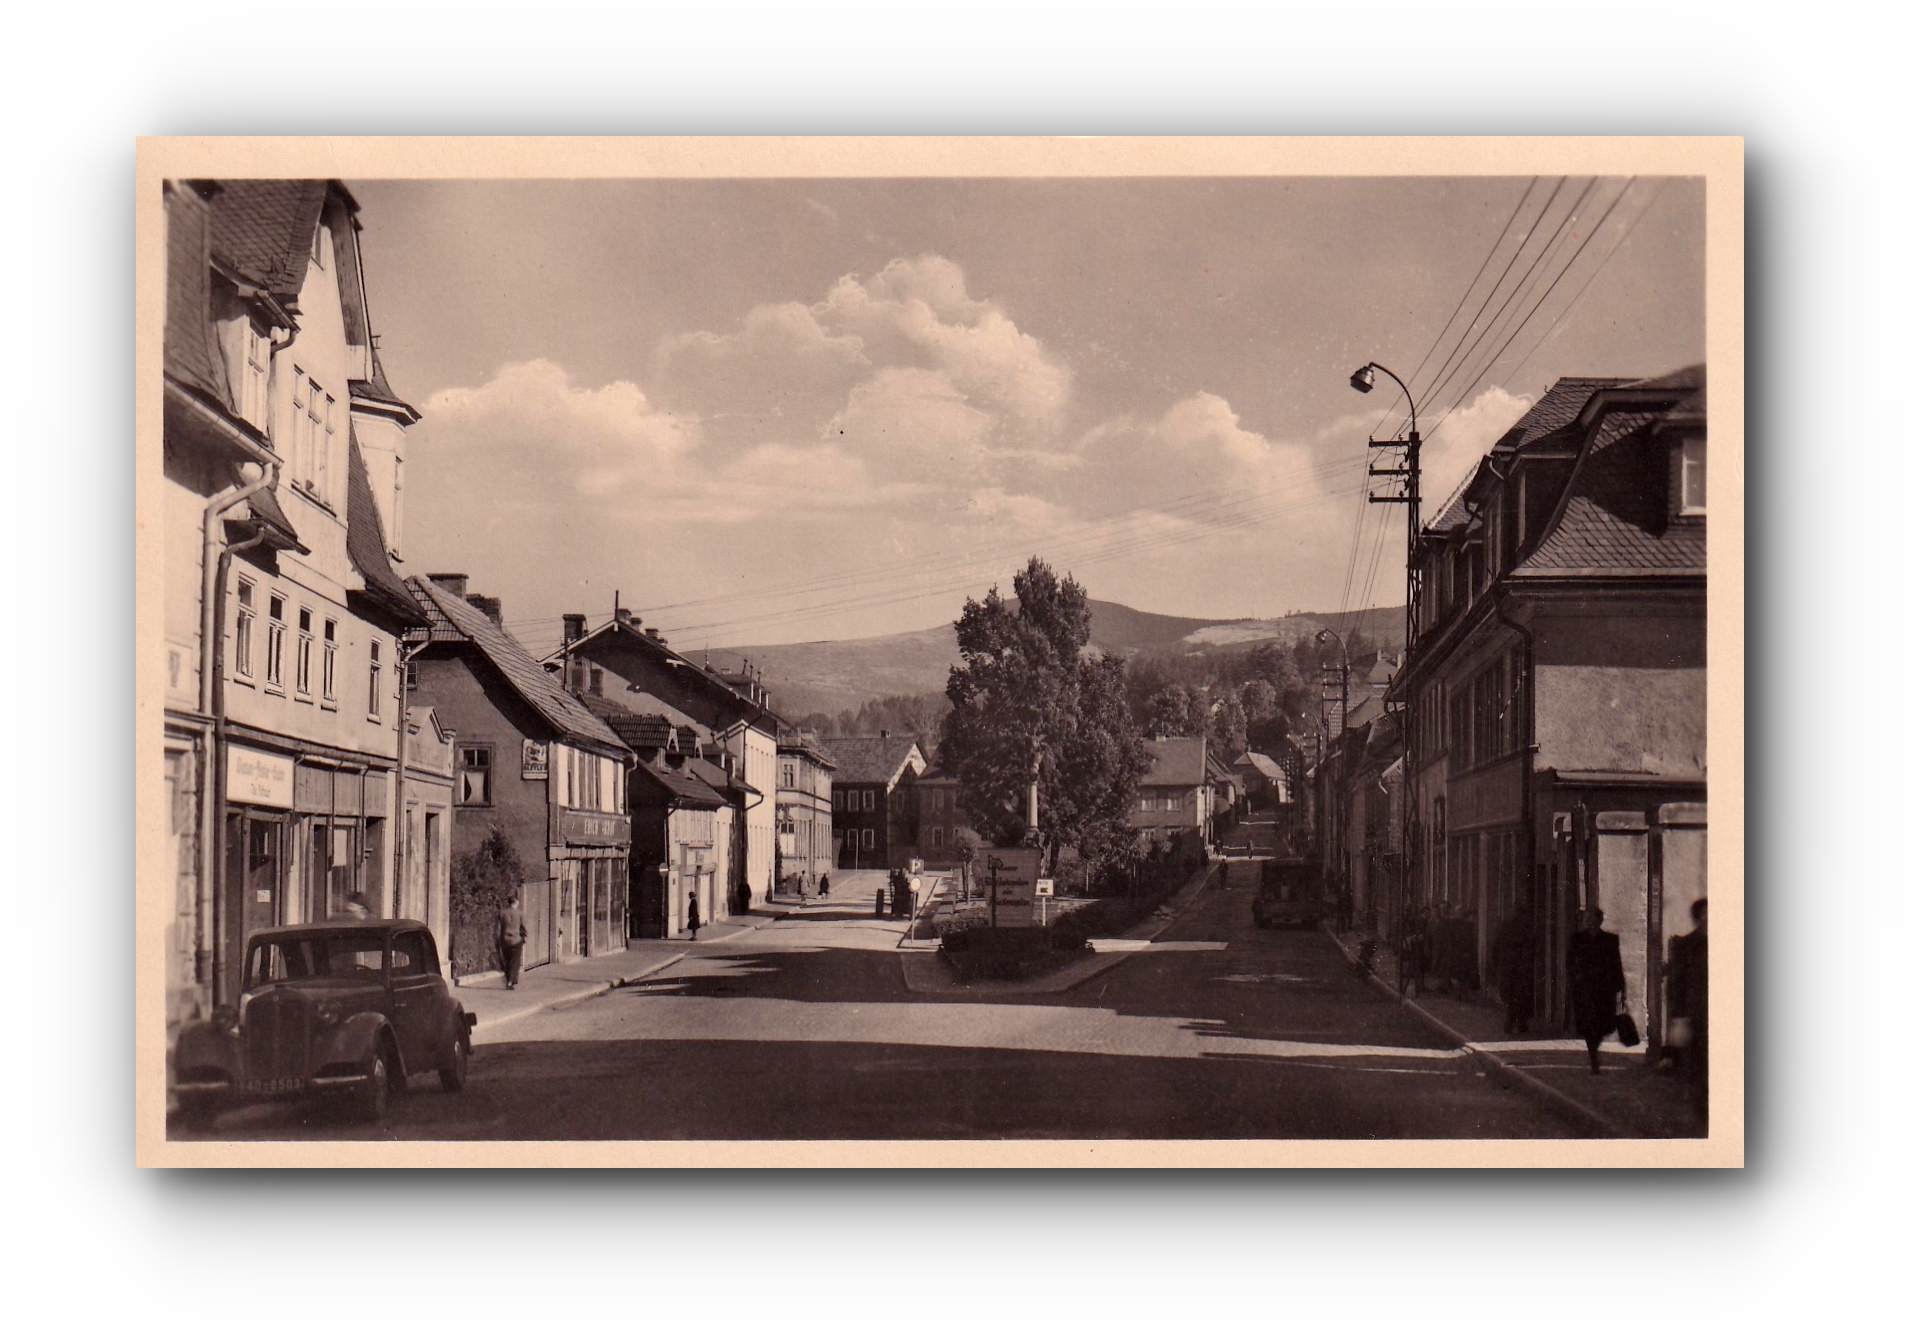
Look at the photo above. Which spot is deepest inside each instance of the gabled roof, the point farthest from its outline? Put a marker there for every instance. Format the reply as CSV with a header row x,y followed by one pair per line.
x,y
452,620
366,541
872,760
630,634
1263,764
263,231
1614,518
1175,761
378,388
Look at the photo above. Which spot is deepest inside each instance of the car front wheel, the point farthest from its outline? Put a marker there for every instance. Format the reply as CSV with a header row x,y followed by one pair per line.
x,y
375,1096
196,1114
452,1078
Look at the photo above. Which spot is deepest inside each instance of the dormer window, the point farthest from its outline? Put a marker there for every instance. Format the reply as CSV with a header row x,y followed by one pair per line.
x,y
1690,477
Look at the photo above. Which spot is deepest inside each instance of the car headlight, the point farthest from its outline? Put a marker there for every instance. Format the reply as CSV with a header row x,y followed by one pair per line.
x,y
328,1012
226,1019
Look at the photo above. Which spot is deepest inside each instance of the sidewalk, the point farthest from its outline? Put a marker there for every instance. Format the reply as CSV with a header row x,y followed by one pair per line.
x,y
541,988
1627,1099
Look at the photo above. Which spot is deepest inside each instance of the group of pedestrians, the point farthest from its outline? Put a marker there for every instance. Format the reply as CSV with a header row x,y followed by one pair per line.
x,y
1599,994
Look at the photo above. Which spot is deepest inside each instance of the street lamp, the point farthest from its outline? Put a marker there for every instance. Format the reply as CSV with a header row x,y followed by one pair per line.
x,y
1363,380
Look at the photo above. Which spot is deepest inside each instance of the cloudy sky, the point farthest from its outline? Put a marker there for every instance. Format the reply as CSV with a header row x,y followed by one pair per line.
x,y
771,411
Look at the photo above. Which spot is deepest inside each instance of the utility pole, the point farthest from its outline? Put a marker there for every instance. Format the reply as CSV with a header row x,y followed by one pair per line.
x,y
1411,499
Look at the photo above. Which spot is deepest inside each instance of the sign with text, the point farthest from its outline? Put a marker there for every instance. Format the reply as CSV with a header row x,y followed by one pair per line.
x,y
584,828
533,759
256,778
1011,881
1044,888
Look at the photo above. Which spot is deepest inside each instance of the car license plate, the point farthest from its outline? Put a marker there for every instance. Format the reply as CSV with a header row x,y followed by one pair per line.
x,y
270,1085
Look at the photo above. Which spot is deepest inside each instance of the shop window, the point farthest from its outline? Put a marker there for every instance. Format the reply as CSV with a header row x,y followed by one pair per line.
x,y
276,640
475,775
243,632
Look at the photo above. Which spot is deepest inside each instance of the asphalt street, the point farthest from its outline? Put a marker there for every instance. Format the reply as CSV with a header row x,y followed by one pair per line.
x,y
804,1029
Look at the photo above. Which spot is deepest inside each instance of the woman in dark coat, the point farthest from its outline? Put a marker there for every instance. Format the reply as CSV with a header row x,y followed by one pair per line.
x,y
1596,982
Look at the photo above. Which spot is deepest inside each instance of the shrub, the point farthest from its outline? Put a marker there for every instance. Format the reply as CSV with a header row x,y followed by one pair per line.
x,y
483,881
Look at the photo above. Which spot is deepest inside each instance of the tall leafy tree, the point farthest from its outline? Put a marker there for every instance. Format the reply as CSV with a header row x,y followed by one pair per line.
x,y
1028,695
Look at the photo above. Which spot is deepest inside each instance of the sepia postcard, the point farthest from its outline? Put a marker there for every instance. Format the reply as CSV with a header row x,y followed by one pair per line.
x,y
940,652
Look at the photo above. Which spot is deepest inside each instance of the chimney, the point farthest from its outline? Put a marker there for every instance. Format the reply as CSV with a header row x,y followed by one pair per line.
x,y
622,614
574,627
488,606
455,582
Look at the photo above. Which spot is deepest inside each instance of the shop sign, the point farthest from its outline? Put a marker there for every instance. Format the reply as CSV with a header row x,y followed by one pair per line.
x,y
1011,882
585,828
533,758
255,778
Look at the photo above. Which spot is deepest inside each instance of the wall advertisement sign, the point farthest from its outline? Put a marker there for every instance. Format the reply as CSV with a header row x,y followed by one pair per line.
x,y
257,778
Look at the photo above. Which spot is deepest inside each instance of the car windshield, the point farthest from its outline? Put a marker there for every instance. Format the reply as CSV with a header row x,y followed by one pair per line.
x,y
321,956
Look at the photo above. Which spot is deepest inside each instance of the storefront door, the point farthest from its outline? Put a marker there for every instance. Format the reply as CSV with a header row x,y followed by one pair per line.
x,y
256,889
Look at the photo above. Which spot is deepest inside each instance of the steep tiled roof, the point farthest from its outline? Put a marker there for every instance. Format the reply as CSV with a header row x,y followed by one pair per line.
x,y
1615,517
263,230
868,760
191,354
377,387
453,620
265,509
366,540
1177,761
716,777
1554,411
1263,764
1556,408
677,785
643,731
707,682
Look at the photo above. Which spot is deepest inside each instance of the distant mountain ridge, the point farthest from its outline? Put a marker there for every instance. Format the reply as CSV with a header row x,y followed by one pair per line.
x,y
834,676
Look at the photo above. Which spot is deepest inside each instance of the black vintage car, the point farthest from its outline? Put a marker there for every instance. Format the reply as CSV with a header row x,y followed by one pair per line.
x,y
351,1007
1290,893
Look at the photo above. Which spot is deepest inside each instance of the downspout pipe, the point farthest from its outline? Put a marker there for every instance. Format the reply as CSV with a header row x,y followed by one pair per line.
x,y
1527,640
215,562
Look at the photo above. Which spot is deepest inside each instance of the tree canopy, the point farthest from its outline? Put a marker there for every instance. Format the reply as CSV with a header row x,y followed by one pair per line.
x,y
1028,694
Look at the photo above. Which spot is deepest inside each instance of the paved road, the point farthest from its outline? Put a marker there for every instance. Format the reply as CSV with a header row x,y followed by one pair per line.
x,y
804,1030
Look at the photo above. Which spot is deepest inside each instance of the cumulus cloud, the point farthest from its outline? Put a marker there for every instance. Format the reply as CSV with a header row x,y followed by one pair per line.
x,y
530,424
1463,438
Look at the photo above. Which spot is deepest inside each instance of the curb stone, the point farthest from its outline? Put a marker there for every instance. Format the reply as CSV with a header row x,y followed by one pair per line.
x,y
1495,1066
586,991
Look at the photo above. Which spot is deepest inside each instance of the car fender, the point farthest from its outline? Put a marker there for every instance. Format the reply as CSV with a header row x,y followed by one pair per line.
x,y
355,1039
204,1046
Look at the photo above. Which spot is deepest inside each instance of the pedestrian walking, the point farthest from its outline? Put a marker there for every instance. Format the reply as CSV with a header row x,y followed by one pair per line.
x,y
512,941
824,887
1689,996
1597,996
692,913
1514,958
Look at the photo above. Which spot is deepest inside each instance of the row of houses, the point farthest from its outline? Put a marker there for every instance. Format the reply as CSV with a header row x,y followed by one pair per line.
x,y
891,806
337,738
1541,750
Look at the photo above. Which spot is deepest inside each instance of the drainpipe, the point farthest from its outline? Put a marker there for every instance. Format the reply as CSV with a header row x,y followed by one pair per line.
x,y
1528,846
215,562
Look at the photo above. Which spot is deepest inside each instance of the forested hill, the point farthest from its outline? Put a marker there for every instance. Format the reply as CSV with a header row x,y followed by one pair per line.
x,y
832,677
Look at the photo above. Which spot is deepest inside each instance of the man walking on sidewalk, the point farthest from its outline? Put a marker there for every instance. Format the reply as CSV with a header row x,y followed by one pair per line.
x,y
512,941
